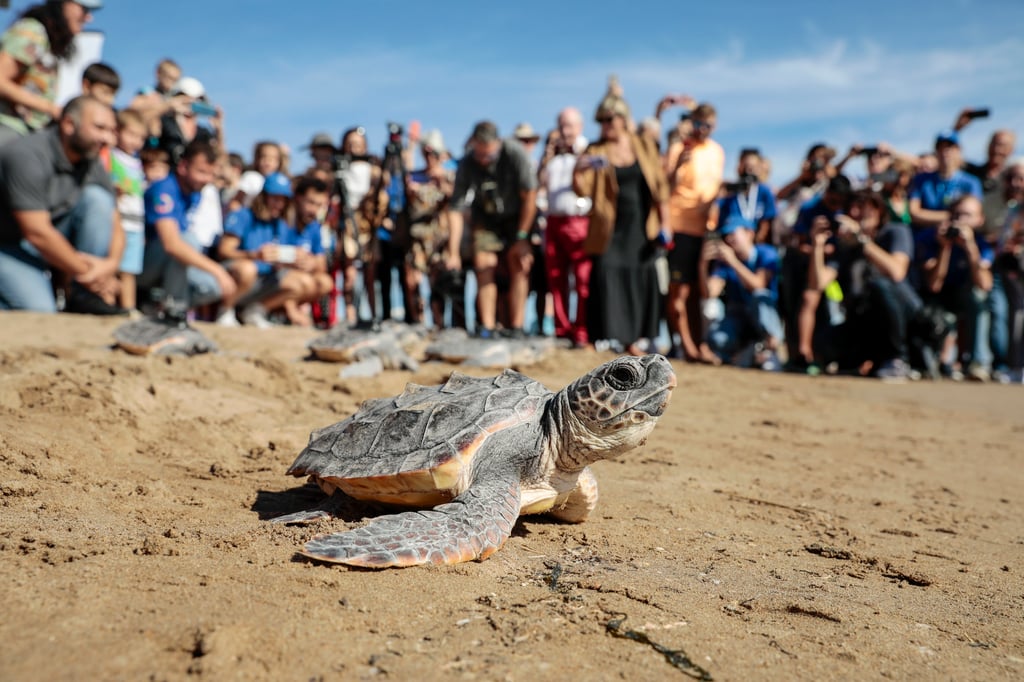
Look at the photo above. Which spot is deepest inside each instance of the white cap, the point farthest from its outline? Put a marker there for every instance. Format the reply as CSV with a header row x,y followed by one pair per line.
x,y
190,87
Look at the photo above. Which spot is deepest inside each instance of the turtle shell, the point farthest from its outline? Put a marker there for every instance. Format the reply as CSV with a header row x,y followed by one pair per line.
x,y
161,336
419,448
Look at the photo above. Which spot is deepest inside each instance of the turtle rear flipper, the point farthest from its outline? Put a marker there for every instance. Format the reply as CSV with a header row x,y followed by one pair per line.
x,y
472,526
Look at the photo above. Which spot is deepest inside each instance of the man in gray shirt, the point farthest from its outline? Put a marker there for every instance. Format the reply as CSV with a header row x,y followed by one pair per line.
x,y
504,188
57,213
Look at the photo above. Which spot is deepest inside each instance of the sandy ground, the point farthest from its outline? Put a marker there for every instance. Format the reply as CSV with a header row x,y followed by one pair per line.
x,y
773,528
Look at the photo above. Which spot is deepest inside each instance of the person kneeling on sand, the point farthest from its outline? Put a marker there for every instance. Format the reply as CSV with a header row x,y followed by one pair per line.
x,y
266,259
174,261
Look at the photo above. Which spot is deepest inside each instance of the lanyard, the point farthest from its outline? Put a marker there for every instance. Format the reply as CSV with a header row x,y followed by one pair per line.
x,y
748,204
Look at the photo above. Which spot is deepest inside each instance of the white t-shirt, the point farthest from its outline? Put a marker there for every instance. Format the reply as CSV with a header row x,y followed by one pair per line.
x,y
207,219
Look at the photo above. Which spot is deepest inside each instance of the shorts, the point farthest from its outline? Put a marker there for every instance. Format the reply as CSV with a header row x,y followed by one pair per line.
x,y
265,286
134,251
684,259
488,240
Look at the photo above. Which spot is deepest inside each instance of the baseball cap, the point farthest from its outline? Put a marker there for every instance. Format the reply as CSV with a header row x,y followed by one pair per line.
x,y
277,184
189,87
321,140
733,223
91,5
947,136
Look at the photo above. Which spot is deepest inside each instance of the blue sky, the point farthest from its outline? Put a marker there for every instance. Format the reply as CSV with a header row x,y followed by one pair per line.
x,y
782,74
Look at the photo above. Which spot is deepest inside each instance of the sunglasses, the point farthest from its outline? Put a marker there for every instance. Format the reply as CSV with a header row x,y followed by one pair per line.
x,y
700,124
604,120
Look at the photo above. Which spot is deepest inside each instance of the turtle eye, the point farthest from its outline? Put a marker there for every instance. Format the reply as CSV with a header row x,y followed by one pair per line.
x,y
624,377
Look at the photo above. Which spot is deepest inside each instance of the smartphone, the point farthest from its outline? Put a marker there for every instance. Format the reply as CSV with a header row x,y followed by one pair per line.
x,y
979,113
598,162
200,108
286,254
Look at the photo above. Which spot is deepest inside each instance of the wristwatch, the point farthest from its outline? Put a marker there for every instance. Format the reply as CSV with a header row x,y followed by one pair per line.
x,y
862,238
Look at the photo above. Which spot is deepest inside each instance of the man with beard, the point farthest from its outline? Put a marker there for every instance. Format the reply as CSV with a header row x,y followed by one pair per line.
x,y
57,214
174,259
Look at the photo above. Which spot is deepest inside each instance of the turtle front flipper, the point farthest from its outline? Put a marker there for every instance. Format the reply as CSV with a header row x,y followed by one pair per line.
x,y
472,526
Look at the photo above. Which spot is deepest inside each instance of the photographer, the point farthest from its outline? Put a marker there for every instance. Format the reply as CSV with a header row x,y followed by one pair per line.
x,y
1008,274
798,301
355,172
958,276
744,277
932,193
427,192
870,263
748,197
567,225
815,173
504,205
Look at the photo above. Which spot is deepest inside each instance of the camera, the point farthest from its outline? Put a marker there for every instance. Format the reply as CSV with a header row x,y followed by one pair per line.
x,y
746,181
394,145
953,232
817,165
490,199
869,151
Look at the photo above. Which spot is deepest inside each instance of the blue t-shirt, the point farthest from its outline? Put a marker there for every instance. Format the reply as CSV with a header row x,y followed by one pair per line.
x,y
253,233
808,212
308,238
763,257
937,193
959,273
164,200
761,208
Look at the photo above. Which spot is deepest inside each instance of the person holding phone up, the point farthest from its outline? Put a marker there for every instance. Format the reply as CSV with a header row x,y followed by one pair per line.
x,y
622,176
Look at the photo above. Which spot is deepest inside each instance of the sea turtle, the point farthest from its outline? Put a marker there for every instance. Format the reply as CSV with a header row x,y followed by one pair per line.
x,y
457,347
480,451
162,335
388,343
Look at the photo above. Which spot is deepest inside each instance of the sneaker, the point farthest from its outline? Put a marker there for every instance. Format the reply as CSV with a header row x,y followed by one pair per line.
x,y
226,318
976,372
950,372
896,370
514,334
1001,376
255,315
85,302
486,333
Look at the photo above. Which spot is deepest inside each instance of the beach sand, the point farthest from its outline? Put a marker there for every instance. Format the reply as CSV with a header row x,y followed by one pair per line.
x,y
773,528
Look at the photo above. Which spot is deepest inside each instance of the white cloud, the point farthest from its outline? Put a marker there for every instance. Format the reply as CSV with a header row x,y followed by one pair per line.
x,y
838,91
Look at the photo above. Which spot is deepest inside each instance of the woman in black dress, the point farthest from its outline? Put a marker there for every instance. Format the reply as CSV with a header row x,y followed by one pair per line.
x,y
622,174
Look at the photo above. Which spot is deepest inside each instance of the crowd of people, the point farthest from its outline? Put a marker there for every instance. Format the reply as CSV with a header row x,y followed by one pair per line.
x,y
914,268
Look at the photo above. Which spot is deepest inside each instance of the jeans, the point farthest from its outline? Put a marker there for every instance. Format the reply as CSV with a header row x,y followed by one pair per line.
x,y
25,276
183,286
745,322
998,336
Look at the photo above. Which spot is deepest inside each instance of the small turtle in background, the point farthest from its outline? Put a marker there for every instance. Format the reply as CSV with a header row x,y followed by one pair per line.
x,y
457,347
368,348
162,335
480,451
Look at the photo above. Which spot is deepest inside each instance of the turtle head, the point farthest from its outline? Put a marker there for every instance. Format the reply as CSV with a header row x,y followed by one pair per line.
x,y
615,407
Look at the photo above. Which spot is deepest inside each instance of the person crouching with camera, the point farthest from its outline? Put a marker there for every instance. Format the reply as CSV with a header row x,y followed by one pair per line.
x,y
958,277
869,265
